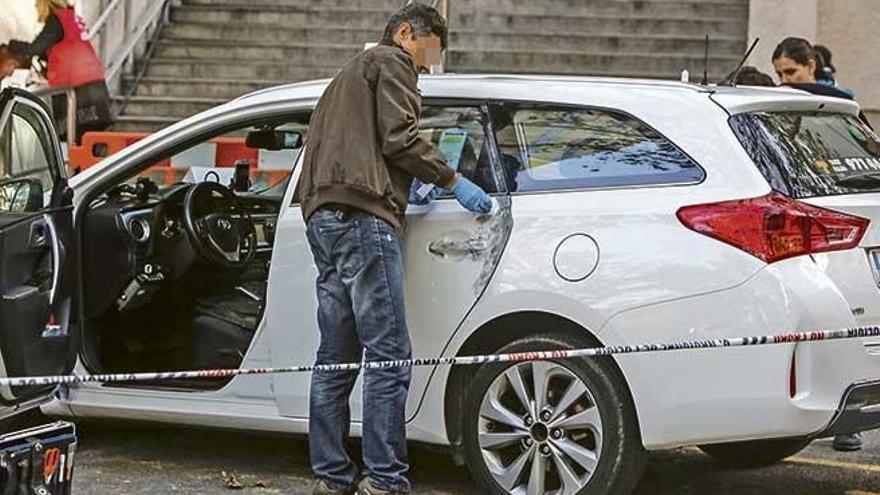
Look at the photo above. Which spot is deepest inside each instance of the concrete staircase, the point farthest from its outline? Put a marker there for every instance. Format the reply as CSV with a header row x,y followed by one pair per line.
x,y
214,50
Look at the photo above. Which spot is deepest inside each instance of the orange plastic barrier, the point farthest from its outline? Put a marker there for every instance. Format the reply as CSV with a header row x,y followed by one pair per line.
x,y
97,146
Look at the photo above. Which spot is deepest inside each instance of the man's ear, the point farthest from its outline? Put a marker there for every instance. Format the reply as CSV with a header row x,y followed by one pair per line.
x,y
404,32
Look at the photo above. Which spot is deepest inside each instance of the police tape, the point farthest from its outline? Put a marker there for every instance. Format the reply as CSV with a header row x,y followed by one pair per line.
x,y
787,338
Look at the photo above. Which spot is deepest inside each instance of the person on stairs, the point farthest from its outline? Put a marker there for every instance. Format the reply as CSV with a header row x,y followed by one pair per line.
x,y
71,62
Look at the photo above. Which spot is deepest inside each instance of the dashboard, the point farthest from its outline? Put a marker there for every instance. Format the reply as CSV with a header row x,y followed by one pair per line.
x,y
135,242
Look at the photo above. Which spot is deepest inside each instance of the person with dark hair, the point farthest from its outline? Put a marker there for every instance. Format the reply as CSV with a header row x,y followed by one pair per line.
x,y
797,64
795,61
363,152
751,76
72,62
826,72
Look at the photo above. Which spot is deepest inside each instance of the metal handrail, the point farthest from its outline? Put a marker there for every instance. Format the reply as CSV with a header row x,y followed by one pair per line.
x,y
135,31
70,93
103,18
160,8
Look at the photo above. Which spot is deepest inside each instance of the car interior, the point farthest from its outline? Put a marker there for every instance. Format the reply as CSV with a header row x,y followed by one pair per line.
x,y
176,259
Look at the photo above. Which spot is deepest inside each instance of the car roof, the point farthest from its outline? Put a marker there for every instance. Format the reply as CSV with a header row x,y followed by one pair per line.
x,y
584,90
478,85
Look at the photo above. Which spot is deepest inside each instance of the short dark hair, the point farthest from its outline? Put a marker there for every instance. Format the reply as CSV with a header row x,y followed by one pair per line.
x,y
423,19
750,76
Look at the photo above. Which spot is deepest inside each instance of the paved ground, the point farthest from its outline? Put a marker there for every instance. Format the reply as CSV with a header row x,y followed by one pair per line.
x,y
127,460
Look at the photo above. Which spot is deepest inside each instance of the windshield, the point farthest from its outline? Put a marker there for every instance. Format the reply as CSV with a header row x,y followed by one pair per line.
x,y
811,154
214,160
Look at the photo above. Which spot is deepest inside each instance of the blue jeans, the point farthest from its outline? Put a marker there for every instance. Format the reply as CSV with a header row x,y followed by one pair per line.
x,y
360,313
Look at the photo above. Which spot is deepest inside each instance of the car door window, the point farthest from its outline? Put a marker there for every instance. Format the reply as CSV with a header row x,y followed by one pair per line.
x,y
576,148
27,159
458,133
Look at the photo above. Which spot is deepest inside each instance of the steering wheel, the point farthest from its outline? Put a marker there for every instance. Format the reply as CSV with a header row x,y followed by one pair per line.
x,y
218,225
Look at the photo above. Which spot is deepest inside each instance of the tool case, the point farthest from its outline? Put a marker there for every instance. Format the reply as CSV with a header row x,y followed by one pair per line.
x,y
38,461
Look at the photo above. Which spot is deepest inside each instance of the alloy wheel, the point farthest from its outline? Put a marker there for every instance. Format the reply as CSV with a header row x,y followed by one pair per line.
x,y
540,430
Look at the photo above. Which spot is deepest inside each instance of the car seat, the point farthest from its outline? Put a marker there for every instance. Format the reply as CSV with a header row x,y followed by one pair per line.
x,y
223,328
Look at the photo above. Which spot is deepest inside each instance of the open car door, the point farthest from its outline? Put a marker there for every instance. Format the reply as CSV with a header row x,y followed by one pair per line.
x,y
35,242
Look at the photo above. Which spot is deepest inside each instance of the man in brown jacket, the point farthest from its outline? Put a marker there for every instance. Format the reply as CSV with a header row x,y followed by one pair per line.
x,y
363,152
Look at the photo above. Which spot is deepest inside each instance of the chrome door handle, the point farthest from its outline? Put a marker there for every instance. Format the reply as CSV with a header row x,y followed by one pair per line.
x,y
445,246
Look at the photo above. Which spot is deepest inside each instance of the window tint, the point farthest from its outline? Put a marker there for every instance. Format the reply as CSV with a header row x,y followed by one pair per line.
x,y
26,158
811,154
563,148
458,134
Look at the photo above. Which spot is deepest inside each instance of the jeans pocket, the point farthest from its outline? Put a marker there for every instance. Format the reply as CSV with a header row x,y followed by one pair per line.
x,y
348,250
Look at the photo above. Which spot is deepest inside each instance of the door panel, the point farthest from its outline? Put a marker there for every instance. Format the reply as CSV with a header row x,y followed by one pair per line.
x,y
450,256
35,209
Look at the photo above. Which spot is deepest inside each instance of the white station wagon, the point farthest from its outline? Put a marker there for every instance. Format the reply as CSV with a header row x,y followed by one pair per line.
x,y
631,212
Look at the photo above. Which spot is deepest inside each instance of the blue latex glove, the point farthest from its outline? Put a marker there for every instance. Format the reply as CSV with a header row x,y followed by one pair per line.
x,y
471,197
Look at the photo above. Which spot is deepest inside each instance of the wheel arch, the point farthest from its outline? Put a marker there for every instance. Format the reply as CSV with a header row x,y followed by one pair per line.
x,y
493,335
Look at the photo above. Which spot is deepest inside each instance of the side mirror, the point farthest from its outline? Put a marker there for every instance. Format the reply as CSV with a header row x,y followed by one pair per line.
x,y
274,140
21,195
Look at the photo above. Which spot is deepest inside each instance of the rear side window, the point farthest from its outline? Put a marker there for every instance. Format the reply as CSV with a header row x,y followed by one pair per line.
x,y
575,148
811,154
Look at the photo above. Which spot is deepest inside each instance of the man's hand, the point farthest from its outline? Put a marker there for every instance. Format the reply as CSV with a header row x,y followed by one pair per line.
x,y
470,196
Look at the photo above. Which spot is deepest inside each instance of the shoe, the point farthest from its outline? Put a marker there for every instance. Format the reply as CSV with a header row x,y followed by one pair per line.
x,y
847,443
366,487
323,487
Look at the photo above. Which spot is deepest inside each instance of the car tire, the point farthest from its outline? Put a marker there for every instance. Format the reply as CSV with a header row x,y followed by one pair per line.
x,y
755,453
602,404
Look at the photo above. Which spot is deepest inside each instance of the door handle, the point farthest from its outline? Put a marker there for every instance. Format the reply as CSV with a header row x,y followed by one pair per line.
x,y
38,237
450,247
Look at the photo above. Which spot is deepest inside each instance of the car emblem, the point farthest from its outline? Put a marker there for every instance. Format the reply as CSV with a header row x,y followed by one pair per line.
x,y
224,224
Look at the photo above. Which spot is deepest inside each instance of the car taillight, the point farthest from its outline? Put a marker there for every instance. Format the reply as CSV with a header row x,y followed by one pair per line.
x,y
775,227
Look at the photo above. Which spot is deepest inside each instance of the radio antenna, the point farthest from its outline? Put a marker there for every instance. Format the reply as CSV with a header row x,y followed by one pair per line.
x,y
705,81
730,80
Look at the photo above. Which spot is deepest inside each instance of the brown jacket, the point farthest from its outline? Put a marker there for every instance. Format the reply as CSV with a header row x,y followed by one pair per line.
x,y
364,147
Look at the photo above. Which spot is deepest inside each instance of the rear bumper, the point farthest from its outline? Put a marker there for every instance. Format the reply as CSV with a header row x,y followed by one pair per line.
x,y
859,410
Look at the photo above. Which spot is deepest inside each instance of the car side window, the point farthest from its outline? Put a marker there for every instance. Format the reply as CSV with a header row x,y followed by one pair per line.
x,y
26,161
458,134
545,148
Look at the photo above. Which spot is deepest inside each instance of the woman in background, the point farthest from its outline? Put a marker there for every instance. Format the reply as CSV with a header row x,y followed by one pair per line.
x,y
71,62
800,66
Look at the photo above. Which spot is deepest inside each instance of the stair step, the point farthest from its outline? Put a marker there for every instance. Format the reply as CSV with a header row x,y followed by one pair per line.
x,y
390,5
168,106
341,34
659,64
598,25
234,50
241,69
240,36
575,41
280,16
195,87
691,8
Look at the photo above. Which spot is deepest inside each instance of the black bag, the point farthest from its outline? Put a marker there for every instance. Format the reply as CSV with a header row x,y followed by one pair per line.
x,y
92,110
38,460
